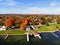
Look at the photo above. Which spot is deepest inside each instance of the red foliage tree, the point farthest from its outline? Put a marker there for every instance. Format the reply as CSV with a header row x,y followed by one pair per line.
x,y
40,21
11,18
18,20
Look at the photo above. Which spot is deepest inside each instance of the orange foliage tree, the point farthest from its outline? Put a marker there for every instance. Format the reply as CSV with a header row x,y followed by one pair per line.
x,y
24,23
9,21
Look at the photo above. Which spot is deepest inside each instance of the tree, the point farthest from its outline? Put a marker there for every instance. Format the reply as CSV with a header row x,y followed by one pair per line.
x,y
24,23
9,21
43,20
17,22
58,20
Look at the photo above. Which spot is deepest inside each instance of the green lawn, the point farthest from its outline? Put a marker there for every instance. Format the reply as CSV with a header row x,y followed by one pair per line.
x,y
41,28
49,28
52,27
12,32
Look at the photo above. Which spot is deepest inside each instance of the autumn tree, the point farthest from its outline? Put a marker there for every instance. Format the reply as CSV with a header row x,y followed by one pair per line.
x,y
24,23
9,21
17,22
58,20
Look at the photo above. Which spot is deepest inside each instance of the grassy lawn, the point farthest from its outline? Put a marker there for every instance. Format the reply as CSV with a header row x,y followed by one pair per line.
x,y
52,27
41,28
12,32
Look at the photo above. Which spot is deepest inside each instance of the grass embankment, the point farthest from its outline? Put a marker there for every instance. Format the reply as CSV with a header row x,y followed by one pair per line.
x,y
12,32
41,29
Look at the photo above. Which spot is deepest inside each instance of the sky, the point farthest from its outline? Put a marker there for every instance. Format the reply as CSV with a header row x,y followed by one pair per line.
x,y
29,6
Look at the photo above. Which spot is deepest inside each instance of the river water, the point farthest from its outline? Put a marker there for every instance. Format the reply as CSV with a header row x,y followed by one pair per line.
x,y
47,39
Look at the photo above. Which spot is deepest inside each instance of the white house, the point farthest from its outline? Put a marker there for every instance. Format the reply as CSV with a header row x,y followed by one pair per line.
x,y
3,28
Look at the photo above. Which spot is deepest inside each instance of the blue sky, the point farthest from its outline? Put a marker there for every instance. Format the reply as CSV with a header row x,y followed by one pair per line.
x,y
29,6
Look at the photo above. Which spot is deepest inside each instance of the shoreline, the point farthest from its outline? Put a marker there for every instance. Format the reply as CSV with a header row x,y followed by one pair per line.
x,y
25,34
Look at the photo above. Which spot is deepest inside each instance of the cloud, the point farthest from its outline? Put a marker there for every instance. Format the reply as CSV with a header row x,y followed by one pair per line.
x,y
32,10
11,11
36,10
53,3
10,3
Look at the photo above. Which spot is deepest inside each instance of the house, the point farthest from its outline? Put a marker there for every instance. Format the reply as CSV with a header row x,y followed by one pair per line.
x,y
3,28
